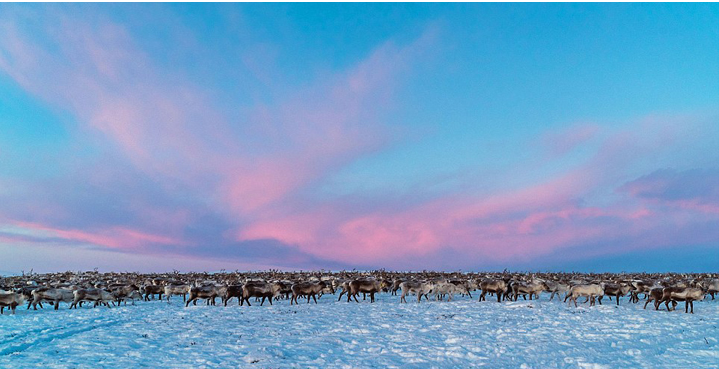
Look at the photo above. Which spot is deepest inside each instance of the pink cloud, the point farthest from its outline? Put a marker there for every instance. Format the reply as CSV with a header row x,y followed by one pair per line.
x,y
562,142
693,189
170,129
512,224
115,237
251,169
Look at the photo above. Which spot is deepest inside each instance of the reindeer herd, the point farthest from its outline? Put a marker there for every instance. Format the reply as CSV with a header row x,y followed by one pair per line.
x,y
78,288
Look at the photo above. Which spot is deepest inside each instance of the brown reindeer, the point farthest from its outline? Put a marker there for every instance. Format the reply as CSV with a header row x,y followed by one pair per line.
x,y
151,290
687,294
309,289
616,289
365,285
395,286
11,300
209,293
259,289
96,295
533,288
655,294
233,291
125,292
497,286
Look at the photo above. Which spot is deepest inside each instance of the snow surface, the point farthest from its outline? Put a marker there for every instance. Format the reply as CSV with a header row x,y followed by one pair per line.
x,y
460,333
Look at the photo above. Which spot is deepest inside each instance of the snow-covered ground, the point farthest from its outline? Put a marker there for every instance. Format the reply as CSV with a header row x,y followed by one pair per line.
x,y
461,333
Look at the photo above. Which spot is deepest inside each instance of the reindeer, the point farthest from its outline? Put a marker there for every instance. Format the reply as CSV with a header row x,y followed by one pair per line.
x,y
419,288
152,290
177,289
259,289
641,287
122,293
96,295
395,286
712,287
447,288
556,288
11,300
309,289
54,295
533,288
615,289
345,287
497,286
687,294
591,291
233,291
369,285
655,294
206,292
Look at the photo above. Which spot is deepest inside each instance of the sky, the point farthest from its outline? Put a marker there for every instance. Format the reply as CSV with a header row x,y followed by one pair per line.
x,y
203,137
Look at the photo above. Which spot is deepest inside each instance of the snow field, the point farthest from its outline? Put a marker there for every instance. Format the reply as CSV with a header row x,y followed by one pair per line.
x,y
460,333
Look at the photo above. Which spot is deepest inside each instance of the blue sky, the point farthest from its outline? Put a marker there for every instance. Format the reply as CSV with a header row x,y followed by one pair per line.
x,y
190,136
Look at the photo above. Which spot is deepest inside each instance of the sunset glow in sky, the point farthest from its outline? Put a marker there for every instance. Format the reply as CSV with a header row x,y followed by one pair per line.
x,y
152,137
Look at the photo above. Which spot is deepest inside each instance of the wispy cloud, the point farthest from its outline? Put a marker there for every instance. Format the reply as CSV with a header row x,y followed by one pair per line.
x,y
159,165
238,168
